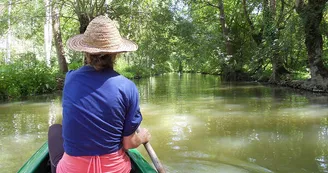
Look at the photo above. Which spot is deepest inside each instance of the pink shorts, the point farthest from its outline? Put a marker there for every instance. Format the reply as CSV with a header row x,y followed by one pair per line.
x,y
117,162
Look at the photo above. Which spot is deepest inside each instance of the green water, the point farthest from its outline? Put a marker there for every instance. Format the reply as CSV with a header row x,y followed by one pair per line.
x,y
199,124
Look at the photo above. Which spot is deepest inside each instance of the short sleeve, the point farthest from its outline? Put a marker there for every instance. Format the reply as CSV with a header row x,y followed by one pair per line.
x,y
133,117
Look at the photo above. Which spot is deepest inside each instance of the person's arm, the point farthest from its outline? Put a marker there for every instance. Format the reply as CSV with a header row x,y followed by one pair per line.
x,y
136,139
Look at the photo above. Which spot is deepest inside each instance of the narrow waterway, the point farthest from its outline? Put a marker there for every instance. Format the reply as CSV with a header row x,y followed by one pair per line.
x,y
199,124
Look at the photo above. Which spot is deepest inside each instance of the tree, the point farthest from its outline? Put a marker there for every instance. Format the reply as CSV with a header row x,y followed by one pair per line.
x,y
256,35
9,32
311,14
48,32
269,34
58,37
86,11
224,27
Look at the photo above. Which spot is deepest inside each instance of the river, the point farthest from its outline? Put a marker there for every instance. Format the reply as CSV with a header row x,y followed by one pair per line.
x,y
198,124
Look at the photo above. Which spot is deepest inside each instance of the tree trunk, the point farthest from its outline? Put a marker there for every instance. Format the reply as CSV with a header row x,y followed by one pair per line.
x,y
84,20
257,37
47,32
225,30
58,40
272,35
273,7
8,41
106,6
278,68
227,67
312,15
87,10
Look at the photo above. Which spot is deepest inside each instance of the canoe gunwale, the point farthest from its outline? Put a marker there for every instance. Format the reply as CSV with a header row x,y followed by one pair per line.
x,y
39,162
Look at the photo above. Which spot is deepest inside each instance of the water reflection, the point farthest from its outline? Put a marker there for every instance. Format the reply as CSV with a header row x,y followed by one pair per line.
x,y
322,163
23,129
54,113
271,128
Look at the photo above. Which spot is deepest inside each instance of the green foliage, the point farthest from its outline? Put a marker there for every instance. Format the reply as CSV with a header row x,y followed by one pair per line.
x,y
137,72
134,72
26,19
173,35
26,76
130,71
74,65
121,66
75,61
300,75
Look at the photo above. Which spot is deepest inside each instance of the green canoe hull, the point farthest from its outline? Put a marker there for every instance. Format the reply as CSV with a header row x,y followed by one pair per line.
x,y
39,162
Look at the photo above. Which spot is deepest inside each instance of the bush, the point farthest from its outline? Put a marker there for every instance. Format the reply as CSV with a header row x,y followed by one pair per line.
x,y
74,65
26,76
132,71
76,60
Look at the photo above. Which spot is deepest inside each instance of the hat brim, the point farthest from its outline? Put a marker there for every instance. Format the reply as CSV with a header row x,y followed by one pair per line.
x,y
76,43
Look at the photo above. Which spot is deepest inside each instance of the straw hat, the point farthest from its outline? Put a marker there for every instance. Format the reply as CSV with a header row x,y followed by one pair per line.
x,y
101,36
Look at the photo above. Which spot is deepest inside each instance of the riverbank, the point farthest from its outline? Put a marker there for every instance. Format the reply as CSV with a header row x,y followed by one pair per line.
x,y
57,85
303,85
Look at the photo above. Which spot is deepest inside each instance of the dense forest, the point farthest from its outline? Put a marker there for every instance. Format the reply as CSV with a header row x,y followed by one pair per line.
x,y
282,42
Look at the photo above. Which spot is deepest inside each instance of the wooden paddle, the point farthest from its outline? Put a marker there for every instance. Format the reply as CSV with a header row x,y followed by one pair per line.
x,y
159,167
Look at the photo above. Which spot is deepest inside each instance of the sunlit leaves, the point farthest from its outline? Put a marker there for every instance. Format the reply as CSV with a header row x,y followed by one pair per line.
x,y
183,33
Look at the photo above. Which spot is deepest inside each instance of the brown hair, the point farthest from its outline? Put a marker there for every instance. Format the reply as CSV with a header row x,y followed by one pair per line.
x,y
101,61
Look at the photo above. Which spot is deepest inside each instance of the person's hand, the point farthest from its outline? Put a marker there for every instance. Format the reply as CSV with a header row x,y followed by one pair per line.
x,y
144,135
141,136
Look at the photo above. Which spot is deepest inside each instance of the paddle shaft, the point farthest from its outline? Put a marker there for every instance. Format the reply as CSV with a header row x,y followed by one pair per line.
x,y
159,167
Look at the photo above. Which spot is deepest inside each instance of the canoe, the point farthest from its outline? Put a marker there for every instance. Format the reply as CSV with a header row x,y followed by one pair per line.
x,y
39,162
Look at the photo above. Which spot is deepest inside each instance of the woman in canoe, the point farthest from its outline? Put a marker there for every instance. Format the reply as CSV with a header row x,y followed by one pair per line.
x,y
100,107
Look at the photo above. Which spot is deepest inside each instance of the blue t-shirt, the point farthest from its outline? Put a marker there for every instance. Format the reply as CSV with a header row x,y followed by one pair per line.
x,y
99,108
